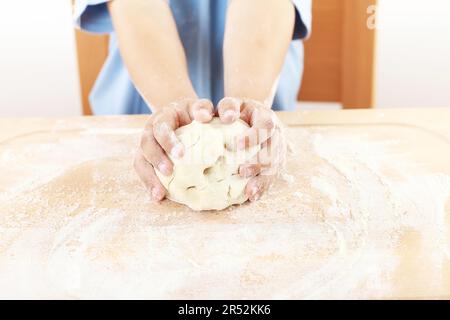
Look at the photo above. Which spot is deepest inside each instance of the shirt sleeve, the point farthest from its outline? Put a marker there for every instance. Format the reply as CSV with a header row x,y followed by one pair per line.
x,y
92,16
303,18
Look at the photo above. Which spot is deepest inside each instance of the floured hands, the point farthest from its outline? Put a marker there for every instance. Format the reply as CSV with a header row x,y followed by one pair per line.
x,y
264,130
159,139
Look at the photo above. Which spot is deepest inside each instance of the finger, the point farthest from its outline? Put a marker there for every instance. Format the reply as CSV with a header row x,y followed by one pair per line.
x,y
257,186
257,163
148,176
262,122
154,154
261,161
201,110
249,170
268,160
178,110
229,109
164,126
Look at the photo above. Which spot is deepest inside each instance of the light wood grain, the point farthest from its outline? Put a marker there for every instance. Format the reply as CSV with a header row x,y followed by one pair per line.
x,y
358,47
339,56
80,212
322,71
92,51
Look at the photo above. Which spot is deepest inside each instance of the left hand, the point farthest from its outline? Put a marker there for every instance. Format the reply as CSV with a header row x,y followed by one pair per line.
x,y
265,130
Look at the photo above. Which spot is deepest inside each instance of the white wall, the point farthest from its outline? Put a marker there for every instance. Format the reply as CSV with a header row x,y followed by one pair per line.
x,y
38,70
413,53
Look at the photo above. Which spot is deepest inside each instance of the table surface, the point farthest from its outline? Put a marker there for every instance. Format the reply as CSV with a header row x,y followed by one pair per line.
x,y
362,211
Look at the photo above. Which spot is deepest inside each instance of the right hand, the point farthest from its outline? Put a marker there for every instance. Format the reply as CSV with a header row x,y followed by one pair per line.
x,y
159,139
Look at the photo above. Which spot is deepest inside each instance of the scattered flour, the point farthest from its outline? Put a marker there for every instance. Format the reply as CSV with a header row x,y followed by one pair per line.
x,y
75,222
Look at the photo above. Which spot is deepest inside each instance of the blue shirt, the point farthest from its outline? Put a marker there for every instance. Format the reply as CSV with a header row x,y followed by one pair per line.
x,y
200,24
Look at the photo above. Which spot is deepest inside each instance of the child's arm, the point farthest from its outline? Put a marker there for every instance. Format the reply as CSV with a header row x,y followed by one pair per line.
x,y
257,37
155,58
152,50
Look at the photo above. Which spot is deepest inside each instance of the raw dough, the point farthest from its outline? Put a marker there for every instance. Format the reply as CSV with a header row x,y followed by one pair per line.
x,y
206,177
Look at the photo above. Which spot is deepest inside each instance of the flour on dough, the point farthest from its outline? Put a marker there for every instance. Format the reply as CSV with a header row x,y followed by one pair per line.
x,y
206,177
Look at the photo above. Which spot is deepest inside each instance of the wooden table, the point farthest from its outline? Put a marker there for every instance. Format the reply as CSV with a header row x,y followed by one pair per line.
x,y
362,211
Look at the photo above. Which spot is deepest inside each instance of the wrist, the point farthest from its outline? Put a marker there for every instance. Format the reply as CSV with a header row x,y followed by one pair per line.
x,y
252,98
169,95
251,89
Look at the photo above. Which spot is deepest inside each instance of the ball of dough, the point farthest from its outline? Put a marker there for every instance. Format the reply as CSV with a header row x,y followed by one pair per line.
x,y
206,177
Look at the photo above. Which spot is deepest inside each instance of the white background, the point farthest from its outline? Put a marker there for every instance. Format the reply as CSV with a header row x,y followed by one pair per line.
x,y
413,53
38,69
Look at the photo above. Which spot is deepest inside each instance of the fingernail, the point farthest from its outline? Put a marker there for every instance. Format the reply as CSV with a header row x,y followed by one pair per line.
x,y
243,172
229,115
256,197
156,194
163,168
202,114
246,172
254,194
177,151
241,143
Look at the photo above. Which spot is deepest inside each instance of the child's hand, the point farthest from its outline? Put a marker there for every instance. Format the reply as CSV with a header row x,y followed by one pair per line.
x,y
159,139
265,130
